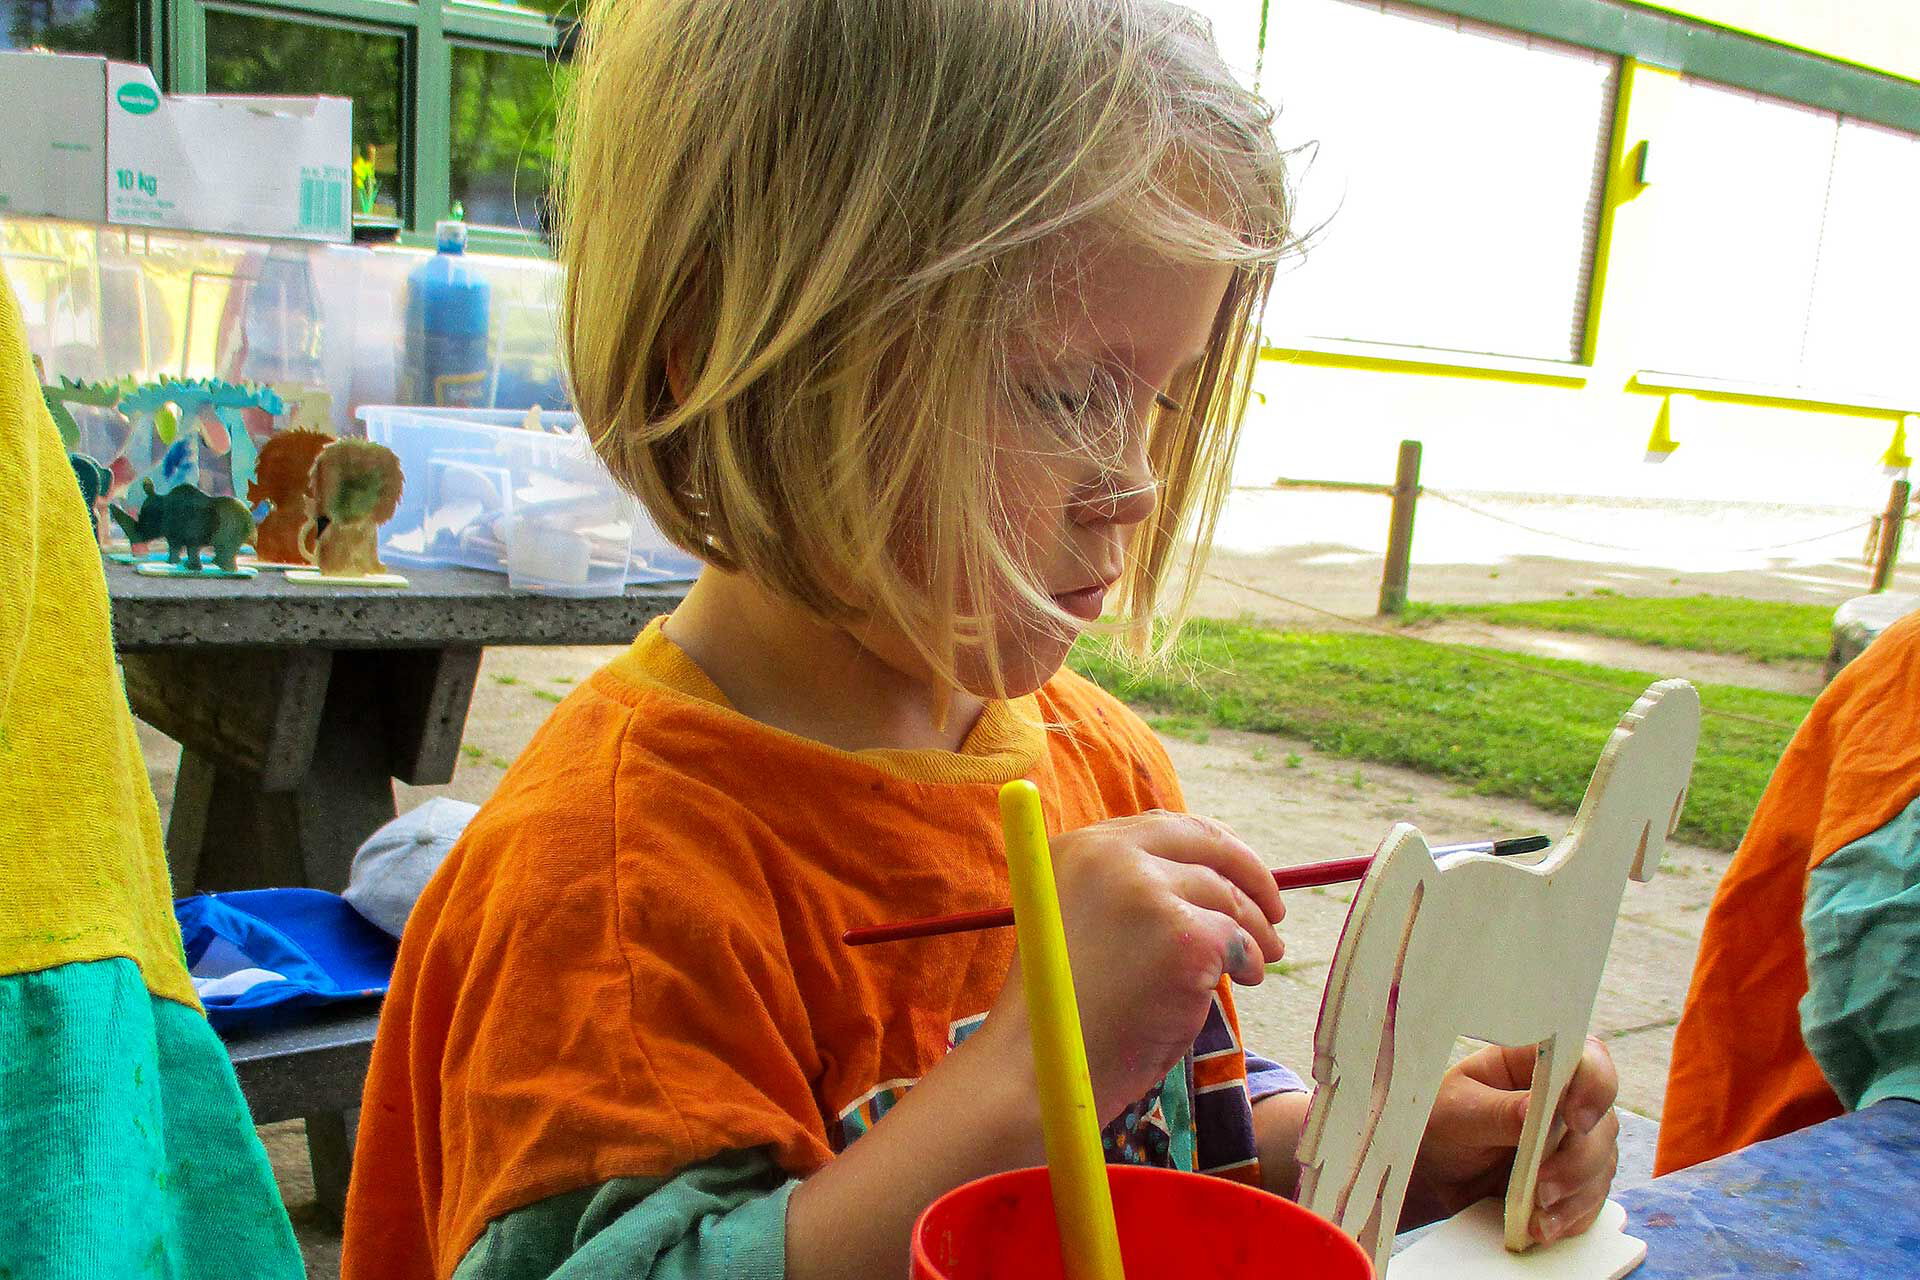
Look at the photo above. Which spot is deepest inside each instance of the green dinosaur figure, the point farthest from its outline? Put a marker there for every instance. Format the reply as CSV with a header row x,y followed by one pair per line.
x,y
189,518
98,395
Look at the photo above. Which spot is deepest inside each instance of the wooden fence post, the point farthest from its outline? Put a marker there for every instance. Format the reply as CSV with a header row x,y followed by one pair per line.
x,y
1890,523
1406,491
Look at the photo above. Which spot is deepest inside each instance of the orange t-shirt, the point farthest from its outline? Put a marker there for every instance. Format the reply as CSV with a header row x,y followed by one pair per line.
x,y
1741,1072
631,962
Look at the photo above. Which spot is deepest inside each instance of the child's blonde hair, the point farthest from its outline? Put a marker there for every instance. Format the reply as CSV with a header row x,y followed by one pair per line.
x,y
835,221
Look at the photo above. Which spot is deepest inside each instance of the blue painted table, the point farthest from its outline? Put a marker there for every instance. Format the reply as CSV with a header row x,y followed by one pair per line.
x,y
1841,1200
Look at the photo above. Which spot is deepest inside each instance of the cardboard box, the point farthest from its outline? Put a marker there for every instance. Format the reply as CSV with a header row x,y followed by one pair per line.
x,y
105,145
53,156
252,166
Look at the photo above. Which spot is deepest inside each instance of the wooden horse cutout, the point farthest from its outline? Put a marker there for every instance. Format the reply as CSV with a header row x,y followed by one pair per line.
x,y
1477,946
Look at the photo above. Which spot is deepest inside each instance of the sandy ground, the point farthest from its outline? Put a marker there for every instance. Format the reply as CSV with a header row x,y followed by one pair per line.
x,y
1296,805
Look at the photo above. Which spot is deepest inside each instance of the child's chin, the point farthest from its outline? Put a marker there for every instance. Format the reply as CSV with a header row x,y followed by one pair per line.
x,y
1023,670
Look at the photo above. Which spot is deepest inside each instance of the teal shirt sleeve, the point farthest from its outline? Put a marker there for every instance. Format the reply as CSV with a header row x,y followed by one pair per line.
x,y
725,1217
1861,1014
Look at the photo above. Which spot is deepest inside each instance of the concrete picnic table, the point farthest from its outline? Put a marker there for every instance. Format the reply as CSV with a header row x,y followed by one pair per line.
x,y
297,707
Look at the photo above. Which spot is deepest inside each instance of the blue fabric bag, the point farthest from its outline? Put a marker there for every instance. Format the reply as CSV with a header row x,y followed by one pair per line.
x,y
313,947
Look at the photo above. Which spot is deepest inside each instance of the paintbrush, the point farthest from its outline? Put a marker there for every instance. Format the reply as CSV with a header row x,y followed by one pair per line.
x,y
1336,871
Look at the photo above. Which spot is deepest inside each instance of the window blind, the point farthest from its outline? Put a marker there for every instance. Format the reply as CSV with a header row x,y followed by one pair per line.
x,y
1785,251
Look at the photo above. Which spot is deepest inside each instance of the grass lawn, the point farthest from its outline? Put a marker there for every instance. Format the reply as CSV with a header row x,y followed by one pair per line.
x,y
1447,711
1760,629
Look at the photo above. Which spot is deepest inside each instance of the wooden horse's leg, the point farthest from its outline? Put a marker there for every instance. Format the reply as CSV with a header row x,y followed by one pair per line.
x,y
1420,1062
1354,1052
1552,1072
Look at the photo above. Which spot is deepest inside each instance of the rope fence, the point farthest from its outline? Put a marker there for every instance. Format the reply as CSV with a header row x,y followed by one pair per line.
x,y
1450,499
1882,542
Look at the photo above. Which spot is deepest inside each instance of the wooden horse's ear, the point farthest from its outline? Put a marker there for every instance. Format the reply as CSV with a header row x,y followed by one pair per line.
x,y
1640,870
1679,803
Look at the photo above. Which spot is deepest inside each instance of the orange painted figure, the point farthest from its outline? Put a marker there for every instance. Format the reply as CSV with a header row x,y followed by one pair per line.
x,y
280,478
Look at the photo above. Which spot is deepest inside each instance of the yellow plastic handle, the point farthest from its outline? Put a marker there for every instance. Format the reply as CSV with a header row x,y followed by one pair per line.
x,y
1082,1200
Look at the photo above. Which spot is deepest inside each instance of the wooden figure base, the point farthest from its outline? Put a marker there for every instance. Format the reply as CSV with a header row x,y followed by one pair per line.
x,y
1471,1245
314,578
162,569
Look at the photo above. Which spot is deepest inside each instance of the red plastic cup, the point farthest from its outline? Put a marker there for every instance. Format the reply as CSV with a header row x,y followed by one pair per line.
x,y
1172,1224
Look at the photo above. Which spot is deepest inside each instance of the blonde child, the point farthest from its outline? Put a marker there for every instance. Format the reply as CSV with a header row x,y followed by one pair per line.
x,y
927,325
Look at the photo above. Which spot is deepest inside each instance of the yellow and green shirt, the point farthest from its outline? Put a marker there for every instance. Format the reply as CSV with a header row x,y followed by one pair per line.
x,y
125,1146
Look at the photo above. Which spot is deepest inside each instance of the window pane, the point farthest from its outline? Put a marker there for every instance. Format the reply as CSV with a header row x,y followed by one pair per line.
x,y
1864,329
1453,172
1739,193
106,27
1785,252
246,54
500,125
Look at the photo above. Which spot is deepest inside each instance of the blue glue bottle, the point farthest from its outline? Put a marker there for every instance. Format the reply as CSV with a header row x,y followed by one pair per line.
x,y
447,312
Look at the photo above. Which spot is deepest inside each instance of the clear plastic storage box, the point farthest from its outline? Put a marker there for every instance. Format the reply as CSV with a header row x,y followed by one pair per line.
x,y
489,489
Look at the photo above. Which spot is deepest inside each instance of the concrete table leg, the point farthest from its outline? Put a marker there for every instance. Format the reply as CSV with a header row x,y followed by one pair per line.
x,y
288,756
330,1151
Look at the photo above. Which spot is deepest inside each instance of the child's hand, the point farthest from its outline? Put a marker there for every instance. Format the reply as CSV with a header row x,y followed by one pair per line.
x,y
1468,1149
1157,907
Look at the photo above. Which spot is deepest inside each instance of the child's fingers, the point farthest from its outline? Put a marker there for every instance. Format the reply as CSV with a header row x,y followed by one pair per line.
x,y
1575,1179
1190,838
1209,890
1590,1094
1223,947
1569,1218
1573,1212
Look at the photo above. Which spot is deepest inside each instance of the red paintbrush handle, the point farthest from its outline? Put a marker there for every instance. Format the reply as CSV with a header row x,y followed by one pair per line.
x,y
1334,871
1337,871
929,927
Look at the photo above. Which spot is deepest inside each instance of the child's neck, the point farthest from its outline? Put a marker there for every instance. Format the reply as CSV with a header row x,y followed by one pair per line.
x,y
781,666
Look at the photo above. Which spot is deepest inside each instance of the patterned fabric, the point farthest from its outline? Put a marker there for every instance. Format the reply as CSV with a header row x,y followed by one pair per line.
x,y
632,963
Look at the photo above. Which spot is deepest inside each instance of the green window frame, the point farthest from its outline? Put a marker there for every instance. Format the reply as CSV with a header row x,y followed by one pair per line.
x,y
1687,44
428,31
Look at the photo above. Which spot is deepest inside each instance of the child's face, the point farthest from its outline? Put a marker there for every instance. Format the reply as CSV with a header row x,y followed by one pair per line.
x,y
1126,326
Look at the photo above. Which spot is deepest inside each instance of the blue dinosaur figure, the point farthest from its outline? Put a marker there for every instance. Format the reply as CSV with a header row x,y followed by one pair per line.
x,y
190,397
189,518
